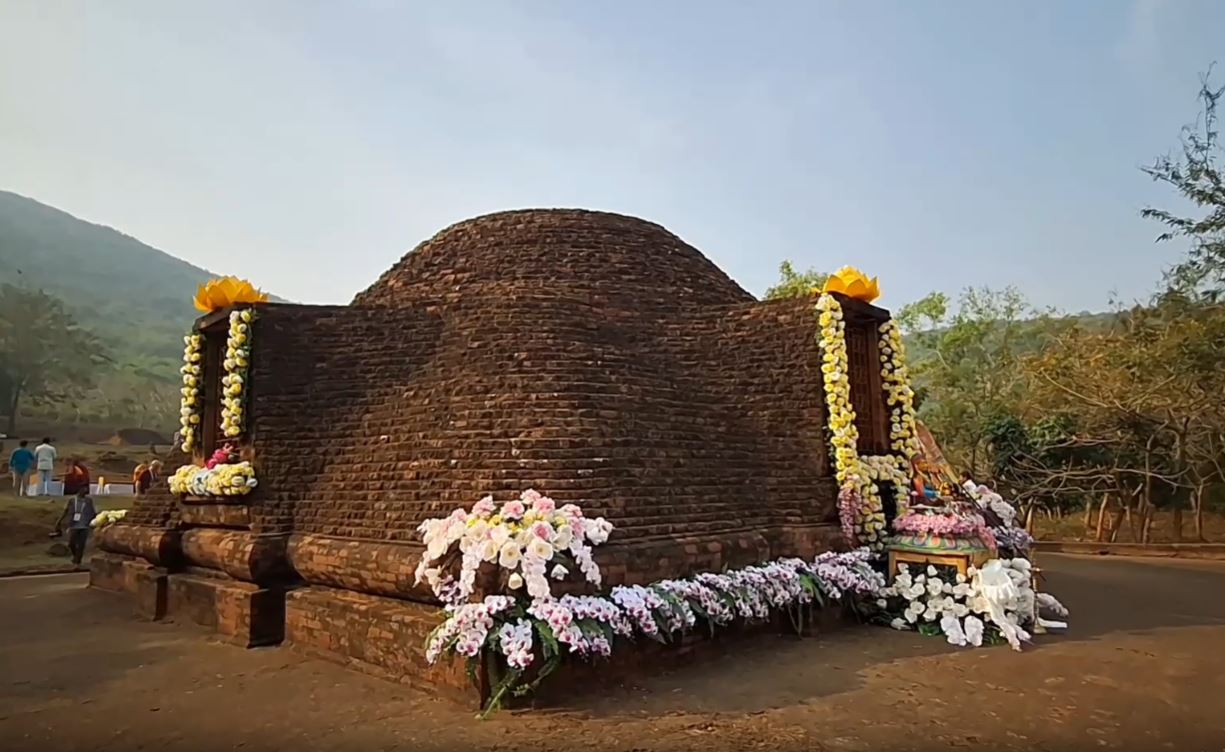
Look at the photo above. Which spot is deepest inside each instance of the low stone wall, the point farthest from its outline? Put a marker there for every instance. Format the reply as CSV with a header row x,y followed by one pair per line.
x,y
377,635
242,613
386,637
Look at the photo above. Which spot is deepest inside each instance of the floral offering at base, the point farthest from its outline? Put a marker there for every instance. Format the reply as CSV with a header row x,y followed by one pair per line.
x,y
237,479
108,517
993,603
942,528
528,631
529,540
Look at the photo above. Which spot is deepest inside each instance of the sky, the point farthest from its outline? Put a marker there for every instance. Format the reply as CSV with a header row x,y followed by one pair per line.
x,y
309,145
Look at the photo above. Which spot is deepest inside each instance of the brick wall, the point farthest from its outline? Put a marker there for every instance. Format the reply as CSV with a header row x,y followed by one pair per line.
x,y
594,357
365,422
616,262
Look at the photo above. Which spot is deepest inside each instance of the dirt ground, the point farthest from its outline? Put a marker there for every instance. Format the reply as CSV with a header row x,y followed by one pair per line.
x,y
1142,668
24,527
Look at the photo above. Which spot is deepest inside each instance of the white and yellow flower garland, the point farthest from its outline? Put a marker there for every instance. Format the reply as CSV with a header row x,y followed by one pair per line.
x,y
848,469
237,362
190,404
903,431
863,473
236,479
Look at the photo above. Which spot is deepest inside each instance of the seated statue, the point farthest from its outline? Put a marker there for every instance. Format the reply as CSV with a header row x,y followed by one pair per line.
x,y
925,489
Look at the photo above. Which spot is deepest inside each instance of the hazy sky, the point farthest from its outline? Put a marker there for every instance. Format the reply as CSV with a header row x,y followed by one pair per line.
x,y
308,145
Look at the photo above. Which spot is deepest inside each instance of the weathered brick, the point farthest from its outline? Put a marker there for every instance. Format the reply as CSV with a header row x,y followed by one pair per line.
x,y
594,357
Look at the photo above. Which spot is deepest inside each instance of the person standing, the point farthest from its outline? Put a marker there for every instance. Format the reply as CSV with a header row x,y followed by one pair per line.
x,y
136,474
21,463
148,477
76,477
44,456
79,513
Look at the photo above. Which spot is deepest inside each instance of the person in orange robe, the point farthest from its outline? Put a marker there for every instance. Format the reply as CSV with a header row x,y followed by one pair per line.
x,y
76,478
140,469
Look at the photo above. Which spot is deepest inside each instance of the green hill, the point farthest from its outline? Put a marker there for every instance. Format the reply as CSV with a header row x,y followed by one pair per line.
x,y
135,298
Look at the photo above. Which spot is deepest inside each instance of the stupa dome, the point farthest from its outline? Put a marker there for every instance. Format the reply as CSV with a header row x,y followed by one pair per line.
x,y
608,260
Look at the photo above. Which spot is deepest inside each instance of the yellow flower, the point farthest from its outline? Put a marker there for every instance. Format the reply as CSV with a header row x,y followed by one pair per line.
x,y
227,291
853,283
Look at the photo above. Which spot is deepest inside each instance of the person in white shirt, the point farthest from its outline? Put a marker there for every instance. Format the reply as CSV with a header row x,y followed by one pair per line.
x,y
44,458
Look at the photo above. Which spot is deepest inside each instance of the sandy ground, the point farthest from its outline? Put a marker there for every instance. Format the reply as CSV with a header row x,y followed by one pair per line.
x,y
1141,669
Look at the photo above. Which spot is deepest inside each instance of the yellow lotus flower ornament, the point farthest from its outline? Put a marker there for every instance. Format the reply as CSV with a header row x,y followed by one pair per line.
x,y
225,292
853,283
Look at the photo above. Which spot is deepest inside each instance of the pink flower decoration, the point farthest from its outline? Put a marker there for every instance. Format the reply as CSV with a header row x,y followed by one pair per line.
x,y
484,507
543,505
513,510
543,531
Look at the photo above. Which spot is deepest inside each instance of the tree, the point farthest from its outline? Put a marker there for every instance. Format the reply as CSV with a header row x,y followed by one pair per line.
x,y
1144,399
793,284
923,314
1197,176
968,366
45,356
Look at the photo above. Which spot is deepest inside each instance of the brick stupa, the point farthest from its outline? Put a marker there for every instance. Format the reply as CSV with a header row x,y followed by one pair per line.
x,y
594,357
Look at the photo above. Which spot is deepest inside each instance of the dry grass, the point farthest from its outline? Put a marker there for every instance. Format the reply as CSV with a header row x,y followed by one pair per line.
x,y
25,527
1072,528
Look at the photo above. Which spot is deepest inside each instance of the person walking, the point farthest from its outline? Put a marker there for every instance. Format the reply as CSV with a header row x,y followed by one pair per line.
x,y
21,463
44,456
79,513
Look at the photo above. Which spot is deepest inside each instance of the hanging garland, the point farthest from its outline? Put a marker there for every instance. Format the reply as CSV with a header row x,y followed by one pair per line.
x,y
854,477
903,431
237,363
860,505
190,403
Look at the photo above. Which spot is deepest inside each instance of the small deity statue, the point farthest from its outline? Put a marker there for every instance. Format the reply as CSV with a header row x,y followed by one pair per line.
x,y
925,489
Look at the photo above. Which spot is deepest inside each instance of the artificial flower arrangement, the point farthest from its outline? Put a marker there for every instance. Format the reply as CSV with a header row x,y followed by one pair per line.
x,y
994,603
224,292
524,632
530,539
1002,517
220,476
903,427
955,521
852,283
860,505
860,502
236,364
868,519
190,403
108,517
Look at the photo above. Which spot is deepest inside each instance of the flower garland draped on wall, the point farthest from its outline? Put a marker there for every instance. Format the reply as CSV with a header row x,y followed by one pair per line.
x,y
223,474
190,404
860,504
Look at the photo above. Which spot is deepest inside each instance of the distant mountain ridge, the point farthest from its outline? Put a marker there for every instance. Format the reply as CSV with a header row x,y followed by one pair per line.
x,y
135,297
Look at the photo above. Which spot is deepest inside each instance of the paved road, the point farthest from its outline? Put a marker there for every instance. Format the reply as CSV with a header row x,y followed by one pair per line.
x,y
1141,669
